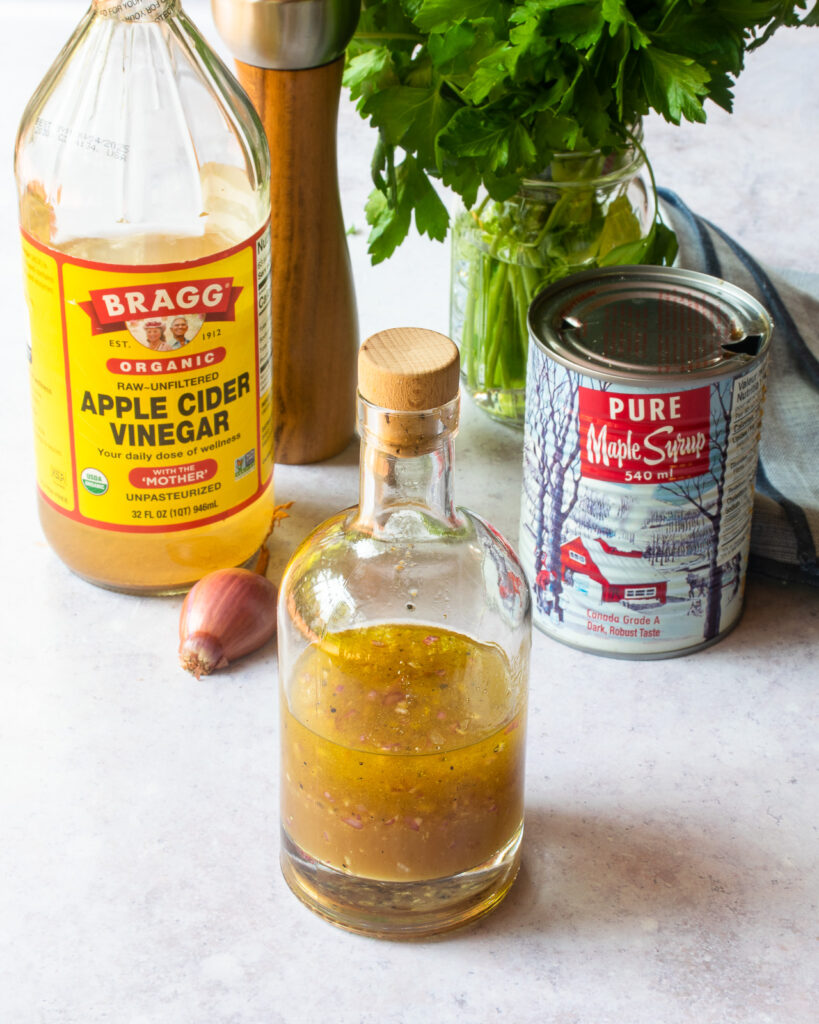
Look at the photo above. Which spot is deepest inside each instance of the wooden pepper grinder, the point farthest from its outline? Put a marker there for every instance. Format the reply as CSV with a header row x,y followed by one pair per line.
x,y
289,58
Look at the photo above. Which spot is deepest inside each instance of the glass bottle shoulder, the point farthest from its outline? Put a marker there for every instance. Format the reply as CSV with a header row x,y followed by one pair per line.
x,y
137,134
466,577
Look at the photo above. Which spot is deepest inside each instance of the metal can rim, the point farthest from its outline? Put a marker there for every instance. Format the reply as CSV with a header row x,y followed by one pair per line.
x,y
740,301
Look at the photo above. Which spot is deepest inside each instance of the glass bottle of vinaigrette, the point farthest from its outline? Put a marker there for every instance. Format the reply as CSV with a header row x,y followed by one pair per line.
x,y
404,634
143,182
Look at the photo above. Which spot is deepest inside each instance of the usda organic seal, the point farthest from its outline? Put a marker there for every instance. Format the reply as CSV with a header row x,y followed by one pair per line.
x,y
94,482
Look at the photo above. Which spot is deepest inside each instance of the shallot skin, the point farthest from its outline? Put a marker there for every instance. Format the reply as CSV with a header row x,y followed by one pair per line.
x,y
227,614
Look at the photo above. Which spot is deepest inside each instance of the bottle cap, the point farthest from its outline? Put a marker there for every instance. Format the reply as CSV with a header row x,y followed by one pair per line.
x,y
408,369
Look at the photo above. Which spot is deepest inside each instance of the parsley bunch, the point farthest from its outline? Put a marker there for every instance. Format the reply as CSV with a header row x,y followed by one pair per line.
x,y
478,93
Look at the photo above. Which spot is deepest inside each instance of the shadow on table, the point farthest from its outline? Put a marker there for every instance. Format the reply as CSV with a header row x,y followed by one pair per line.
x,y
777,616
584,873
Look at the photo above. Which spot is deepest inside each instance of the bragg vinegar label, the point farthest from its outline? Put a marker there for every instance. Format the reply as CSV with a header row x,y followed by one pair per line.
x,y
151,386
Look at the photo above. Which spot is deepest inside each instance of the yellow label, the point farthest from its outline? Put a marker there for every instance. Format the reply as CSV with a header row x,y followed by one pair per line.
x,y
151,386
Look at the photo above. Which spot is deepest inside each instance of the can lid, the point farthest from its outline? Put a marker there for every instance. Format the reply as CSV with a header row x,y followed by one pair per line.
x,y
408,369
630,323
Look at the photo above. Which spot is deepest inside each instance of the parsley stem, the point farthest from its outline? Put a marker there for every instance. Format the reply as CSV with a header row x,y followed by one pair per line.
x,y
520,304
638,145
450,85
470,340
495,317
392,182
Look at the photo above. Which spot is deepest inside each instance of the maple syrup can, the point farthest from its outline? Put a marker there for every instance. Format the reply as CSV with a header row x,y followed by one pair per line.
x,y
644,396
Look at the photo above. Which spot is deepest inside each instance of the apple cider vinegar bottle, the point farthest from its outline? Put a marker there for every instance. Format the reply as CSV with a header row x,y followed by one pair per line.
x,y
143,185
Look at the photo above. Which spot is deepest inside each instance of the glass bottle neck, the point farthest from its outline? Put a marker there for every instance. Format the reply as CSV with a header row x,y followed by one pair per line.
x,y
135,10
406,470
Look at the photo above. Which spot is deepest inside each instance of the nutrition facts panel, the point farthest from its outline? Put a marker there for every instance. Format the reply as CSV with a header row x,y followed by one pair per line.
x,y
740,462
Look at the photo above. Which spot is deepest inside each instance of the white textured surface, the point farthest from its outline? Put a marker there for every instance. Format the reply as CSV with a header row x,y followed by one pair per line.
x,y
670,866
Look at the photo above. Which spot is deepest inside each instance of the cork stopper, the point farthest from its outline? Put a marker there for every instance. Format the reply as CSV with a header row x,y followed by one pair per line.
x,y
408,369
409,379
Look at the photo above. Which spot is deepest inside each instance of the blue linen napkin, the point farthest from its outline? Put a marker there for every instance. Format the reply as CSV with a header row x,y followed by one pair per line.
x,y
785,526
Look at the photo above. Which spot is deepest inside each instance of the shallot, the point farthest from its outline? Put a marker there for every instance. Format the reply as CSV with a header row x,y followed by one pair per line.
x,y
227,614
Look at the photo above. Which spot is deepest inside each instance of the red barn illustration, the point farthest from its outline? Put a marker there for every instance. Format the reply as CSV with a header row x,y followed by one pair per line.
x,y
619,573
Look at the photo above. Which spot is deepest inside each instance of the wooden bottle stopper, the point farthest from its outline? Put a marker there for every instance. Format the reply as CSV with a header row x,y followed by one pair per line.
x,y
408,368
411,374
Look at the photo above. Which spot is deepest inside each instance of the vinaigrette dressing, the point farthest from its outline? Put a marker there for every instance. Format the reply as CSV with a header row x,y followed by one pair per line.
x,y
402,754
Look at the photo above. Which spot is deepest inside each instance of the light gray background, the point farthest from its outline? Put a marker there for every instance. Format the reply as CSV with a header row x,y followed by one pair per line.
x,y
669,874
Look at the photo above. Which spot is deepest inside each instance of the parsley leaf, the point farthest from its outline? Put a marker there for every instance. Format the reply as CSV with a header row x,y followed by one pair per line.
x,y
390,218
674,84
478,93
437,15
